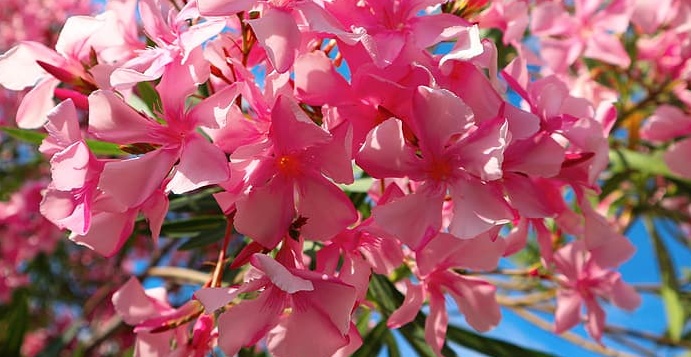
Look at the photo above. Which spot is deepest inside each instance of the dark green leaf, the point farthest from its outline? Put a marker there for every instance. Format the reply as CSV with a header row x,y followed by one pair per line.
x,y
35,137
373,342
489,346
669,290
29,136
14,324
192,227
203,239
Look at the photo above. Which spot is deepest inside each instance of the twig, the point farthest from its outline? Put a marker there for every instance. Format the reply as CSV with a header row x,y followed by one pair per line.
x,y
181,274
660,340
569,336
525,300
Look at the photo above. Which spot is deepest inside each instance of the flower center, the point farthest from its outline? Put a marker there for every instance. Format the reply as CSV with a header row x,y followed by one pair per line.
x,y
288,165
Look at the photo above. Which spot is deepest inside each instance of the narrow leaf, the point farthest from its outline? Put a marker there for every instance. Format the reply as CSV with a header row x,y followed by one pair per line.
x,y
35,137
669,290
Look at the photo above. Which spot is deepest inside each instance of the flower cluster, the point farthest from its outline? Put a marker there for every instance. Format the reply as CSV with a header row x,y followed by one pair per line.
x,y
285,108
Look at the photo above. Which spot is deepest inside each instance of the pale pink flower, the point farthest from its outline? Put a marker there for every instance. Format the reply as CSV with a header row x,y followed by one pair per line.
x,y
285,174
300,312
454,154
282,25
149,310
583,283
474,297
592,31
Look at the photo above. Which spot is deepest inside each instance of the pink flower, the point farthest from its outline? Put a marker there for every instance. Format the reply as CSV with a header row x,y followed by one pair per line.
x,y
200,162
392,32
509,16
74,169
179,44
474,297
281,25
303,312
449,152
32,64
286,180
582,282
149,311
591,32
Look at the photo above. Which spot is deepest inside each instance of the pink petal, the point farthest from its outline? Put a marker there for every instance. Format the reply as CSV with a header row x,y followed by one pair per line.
x,y
291,130
19,68
354,343
437,322
667,123
625,296
677,156
538,156
131,182
175,86
476,300
256,317
477,208
595,319
70,167
224,7
414,297
65,211
322,22
201,164
215,298
385,152
132,303
36,104
482,153
467,46
62,127
108,232
333,299
533,198
305,333
432,29
155,209
111,119
279,275
213,111
568,313
278,34
422,221
608,48
327,209
446,251
517,238
316,80
439,115
266,213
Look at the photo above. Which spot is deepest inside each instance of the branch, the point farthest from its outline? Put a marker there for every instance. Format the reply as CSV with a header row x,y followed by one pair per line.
x,y
569,336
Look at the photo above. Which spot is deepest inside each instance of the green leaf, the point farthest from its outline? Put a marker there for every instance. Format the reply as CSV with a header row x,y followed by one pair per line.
x,y
489,346
203,239
373,342
35,137
14,324
622,160
29,136
193,226
669,289
384,293
104,149
359,185
149,97
391,344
